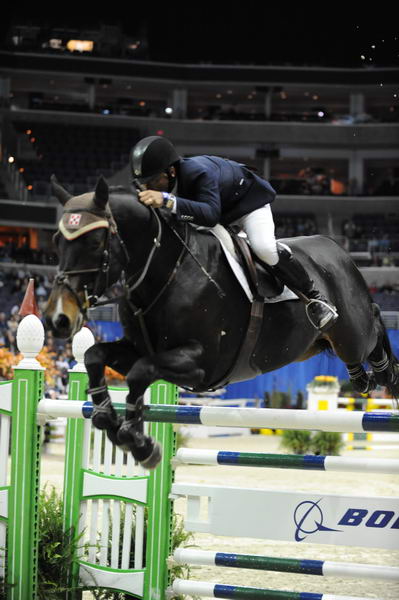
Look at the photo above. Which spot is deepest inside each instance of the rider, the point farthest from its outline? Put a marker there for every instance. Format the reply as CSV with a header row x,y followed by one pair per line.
x,y
210,190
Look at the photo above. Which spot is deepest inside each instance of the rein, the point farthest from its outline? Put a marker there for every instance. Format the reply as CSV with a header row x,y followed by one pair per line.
x,y
140,313
91,300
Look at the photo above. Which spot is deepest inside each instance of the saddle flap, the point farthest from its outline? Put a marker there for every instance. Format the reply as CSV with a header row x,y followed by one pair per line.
x,y
261,279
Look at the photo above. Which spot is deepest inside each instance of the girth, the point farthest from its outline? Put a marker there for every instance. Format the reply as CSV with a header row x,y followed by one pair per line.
x,y
243,366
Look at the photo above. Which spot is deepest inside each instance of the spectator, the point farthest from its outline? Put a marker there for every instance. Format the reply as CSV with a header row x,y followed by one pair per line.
x,y
41,292
388,185
3,330
349,229
337,187
385,243
318,182
354,188
3,321
373,288
12,326
373,244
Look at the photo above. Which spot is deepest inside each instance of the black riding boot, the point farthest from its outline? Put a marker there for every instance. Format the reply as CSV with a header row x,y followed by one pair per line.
x,y
290,271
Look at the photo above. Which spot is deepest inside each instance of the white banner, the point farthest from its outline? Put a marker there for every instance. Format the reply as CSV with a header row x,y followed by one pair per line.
x,y
295,517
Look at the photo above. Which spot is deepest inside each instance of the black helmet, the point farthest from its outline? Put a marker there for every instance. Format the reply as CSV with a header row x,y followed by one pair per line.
x,y
151,156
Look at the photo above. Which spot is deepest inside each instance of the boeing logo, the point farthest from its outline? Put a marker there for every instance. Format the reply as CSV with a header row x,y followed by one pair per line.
x,y
308,519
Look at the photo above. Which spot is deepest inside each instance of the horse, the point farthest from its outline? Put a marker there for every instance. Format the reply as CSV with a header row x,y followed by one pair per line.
x,y
183,313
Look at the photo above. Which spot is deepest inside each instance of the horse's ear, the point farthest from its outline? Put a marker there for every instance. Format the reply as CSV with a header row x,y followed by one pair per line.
x,y
59,192
101,193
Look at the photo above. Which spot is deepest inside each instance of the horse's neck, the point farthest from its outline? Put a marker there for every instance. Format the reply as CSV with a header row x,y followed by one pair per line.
x,y
139,229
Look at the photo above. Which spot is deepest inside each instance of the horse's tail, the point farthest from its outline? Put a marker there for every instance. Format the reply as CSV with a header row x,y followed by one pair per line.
x,y
383,331
393,386
325,346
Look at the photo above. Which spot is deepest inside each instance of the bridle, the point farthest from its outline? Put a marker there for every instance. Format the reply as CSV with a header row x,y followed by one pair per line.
x,y
102,279
92,300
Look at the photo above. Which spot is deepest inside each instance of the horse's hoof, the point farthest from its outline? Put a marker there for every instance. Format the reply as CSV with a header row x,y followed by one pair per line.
x,y
104,416
144,449
106,421
154,459
112,435
128,435
100,420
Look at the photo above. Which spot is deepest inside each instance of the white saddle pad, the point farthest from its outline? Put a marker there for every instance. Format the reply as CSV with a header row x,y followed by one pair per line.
x,y
228,247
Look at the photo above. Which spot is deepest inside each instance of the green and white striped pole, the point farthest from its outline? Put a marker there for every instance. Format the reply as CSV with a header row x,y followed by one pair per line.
x,y
28,388
160,509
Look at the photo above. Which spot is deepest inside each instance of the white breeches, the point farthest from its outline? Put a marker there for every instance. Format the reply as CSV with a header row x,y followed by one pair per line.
x,y
259,227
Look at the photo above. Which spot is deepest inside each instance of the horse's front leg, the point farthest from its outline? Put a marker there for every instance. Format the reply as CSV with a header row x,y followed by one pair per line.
x,y
119,355
179,366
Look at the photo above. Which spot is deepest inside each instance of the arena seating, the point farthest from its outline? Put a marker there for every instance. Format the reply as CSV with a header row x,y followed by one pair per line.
x,y
295,224
376,224
3,190
76,154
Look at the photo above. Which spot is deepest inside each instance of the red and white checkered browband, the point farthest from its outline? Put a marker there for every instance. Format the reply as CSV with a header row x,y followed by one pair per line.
x,y
74,225
74,220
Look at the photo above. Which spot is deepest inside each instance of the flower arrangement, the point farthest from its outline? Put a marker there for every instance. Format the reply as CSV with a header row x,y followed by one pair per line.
x,y
324,381
7,361
46,358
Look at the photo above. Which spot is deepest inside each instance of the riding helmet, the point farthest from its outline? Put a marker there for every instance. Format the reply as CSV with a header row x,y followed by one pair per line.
x,y
151,156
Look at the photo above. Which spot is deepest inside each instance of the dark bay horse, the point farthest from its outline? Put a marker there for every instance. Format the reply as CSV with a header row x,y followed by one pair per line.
x,y
185,324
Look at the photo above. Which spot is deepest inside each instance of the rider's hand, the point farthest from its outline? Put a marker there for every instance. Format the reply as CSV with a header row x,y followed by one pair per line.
x,y
151,198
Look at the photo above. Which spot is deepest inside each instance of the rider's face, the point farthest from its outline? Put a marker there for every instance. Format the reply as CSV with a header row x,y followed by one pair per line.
x,y
159,183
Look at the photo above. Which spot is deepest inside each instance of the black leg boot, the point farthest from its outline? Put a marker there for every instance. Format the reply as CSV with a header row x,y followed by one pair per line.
x,y
290,271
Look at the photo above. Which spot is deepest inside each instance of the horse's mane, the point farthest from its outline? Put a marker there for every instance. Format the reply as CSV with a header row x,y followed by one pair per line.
x,y
120,189
126,196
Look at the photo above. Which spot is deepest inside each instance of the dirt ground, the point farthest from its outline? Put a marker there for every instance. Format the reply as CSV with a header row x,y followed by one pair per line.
x,y
279,479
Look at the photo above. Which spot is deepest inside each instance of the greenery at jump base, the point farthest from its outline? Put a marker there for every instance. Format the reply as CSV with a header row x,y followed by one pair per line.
x,y
57,549
301,441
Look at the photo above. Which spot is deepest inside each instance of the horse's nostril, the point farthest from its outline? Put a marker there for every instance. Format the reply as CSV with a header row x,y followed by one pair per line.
x,y
62,322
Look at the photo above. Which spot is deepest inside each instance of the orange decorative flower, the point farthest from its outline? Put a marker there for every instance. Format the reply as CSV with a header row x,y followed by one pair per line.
x,y
7,362
110,375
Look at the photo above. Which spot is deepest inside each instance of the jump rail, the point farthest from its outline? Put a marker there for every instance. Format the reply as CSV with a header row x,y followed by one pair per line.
x,y
273,418
309,462
323,568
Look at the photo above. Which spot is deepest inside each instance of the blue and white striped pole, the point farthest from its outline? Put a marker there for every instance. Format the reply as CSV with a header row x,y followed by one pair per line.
x,y
217,590
286,565
310,462
274,418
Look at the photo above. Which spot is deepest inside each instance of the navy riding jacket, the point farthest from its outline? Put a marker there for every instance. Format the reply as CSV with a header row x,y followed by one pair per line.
x,y
212,190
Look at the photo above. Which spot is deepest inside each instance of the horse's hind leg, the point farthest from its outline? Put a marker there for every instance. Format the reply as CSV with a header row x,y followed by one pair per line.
x,y
382,360
178,366
385,367
362,381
